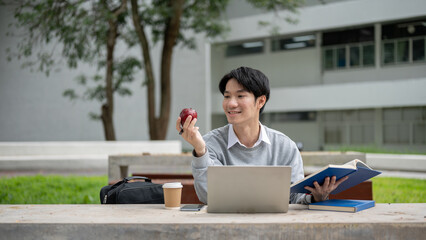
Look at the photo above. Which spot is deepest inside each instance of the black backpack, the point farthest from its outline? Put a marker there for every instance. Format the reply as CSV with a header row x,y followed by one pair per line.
x,y
138,192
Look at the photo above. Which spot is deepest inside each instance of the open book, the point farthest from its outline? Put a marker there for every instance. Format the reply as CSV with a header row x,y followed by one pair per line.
x,y
356,170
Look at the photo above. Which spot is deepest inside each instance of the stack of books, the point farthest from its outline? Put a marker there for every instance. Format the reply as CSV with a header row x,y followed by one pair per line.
x,y
342,205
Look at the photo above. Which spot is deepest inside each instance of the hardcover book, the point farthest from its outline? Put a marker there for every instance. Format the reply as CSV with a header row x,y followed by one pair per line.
x,y
342,205
356,170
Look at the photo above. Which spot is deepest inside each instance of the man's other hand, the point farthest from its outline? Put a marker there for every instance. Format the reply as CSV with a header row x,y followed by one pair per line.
x,y
320,193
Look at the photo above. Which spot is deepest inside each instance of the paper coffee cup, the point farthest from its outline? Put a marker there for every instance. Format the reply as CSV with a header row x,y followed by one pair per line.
x,y
172,195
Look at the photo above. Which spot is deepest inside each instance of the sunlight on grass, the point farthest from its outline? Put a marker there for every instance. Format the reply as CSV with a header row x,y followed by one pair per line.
x,y
51,189
399,190
374,149
85,190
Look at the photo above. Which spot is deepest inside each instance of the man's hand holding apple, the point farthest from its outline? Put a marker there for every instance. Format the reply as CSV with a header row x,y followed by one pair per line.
x,y
185,124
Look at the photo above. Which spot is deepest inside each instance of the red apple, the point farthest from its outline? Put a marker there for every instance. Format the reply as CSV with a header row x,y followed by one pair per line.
x,y
187,112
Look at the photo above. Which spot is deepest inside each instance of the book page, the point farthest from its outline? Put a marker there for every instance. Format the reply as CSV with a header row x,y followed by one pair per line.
x,y
352,163
348,165
357,163
361,164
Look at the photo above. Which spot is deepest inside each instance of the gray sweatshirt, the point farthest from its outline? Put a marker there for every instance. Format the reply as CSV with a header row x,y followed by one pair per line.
x,y
281,152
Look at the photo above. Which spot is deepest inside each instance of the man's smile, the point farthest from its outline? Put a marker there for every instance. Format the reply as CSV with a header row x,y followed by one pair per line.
x,y
233,112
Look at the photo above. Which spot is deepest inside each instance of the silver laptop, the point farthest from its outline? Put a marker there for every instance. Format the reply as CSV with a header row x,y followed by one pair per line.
x,y
248,189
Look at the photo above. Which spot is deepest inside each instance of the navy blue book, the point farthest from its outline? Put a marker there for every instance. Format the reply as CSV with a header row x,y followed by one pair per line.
x,y
342,205
356,170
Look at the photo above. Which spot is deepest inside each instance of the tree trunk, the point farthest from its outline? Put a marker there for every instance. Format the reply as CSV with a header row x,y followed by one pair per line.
x,y
108,107
158,125
150,80
107,123
171,33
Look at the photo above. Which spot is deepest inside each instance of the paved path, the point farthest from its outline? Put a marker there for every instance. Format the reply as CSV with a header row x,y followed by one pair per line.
x,y
94,172
96,165
101,172
418,175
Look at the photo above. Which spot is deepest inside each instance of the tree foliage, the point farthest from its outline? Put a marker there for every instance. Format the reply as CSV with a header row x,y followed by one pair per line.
x,y
68,33
79,31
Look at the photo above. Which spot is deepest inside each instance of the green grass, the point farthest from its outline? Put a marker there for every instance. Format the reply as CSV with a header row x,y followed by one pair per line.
x,y
85,190
51,189
374,149
399,190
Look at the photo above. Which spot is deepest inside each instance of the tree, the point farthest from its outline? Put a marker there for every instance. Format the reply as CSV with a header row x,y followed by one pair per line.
x,y
90,31
83,32
175,22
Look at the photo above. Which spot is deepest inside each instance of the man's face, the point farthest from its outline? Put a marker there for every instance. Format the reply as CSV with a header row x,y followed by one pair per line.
x,y
240,105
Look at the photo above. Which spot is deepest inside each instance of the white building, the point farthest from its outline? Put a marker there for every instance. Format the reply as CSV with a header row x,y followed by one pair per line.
x,y
348,73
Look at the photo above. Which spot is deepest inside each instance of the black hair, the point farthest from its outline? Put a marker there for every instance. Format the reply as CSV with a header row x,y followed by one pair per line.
x,y
251,79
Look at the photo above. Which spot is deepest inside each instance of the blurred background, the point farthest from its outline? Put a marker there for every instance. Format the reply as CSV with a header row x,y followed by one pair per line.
x,y
343,74
83,80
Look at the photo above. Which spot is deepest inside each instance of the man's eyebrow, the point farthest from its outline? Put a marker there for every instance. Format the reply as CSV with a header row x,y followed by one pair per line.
x,y
238,91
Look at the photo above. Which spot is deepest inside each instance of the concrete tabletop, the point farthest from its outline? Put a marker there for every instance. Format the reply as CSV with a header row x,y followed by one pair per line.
x,y
384,221
127,213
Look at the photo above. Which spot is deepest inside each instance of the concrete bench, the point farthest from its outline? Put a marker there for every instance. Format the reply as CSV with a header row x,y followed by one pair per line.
x,y
362,191
118,165
322,159
163,168
399,162
75,155
171,168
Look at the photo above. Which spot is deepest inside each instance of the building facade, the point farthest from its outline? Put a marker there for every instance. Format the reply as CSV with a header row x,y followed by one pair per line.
x,y
349,73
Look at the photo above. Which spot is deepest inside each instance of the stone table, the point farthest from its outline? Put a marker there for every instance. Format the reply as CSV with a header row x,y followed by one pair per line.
x,y
384,221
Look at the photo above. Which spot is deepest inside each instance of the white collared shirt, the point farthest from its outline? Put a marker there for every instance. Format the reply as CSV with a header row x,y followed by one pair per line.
x,y
232,137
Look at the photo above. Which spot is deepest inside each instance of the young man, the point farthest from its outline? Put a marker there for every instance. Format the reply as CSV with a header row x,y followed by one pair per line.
x,y
245,141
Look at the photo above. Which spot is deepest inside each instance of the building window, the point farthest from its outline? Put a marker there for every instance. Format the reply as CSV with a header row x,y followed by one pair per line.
x,y
334,128
358,35
388,52
244,48
293,43
404,42
352,48
333,135
419,50
355,56
349,56
403,50
367,55
362,133
341,57
396,133
404,29
292,116
419,130
404,126
349,127
328,58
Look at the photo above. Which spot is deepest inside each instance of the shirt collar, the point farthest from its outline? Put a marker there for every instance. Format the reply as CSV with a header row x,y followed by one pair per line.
x,y
233,139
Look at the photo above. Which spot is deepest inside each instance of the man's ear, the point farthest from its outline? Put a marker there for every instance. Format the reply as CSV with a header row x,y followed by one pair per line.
x,y
261,100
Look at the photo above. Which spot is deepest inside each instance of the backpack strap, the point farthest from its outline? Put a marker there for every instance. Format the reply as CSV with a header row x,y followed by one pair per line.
x,y
127,179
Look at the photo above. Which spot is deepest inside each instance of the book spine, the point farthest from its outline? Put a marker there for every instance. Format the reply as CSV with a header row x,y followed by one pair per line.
x,y
365,206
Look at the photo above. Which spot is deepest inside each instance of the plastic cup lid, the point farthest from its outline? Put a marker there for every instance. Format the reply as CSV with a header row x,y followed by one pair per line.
x,y
173,185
